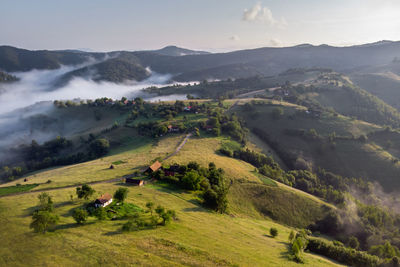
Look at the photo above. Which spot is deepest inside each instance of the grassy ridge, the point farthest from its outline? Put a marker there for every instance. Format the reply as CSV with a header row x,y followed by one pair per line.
x,y
198,238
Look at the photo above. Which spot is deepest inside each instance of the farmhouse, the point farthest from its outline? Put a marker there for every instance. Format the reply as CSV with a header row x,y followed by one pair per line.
x,y
132,181
153,167
173,128
103,200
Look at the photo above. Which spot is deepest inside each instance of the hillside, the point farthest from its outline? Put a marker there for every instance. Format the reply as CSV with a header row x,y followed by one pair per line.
x,y
198,237
14,59
188,65
327,141
120,138
120,69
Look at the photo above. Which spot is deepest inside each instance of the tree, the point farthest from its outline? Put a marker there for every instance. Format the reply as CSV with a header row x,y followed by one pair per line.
x,y
45,202
191,180
80,215
100,213
150,206
121,194
85,191
160,210
353,242
291,236
100,147
166,216
273,232
42,221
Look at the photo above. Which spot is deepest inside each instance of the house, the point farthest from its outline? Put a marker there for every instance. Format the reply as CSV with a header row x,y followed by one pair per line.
x,y
188,108
103,201
132,181
153,167
173,128
172,170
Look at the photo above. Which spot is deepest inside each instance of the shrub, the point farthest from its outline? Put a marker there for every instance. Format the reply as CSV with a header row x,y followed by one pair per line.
x,y
353,242
273,232
85,191
100,213
342,254
80,215
42,221
121,194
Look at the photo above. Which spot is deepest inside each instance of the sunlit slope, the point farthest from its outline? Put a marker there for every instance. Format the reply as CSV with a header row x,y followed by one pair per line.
x,y
197,238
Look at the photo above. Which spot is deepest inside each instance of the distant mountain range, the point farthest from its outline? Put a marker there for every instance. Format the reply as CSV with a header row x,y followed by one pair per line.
x,y
188,65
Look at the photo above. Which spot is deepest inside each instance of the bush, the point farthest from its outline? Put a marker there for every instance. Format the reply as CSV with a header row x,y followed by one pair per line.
x,y
42,221
273,232
121,194
342,254
226,152
85,191
80,215
100,213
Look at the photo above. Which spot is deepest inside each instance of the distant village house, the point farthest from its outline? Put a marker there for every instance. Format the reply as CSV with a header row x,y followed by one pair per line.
x,y
153,167
173,128
103,201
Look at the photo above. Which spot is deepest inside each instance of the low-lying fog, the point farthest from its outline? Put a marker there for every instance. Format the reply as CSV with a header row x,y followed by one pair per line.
x,y
34,93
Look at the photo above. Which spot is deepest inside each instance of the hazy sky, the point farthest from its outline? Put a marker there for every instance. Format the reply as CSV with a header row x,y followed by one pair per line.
x,y
215,25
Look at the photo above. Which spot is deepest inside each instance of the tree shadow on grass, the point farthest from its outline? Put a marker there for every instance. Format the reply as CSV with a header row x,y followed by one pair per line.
x,y
63,204
286,253
198,208
112,233
267,235
29,211
70,226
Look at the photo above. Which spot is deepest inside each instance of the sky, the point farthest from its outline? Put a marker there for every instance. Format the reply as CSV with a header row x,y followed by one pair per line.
x,y
212,25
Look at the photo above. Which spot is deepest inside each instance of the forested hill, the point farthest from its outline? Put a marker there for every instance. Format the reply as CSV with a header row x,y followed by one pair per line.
x,y
195,65
5,77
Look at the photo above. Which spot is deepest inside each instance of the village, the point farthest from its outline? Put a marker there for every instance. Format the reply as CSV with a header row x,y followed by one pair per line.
x,y
136,180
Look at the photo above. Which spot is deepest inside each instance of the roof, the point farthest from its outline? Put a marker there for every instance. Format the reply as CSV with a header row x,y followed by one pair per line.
x,y
104,198
155,166
133,181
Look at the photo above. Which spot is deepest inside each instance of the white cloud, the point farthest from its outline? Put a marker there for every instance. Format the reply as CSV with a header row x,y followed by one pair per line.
x,y
275,42
234,38
263,14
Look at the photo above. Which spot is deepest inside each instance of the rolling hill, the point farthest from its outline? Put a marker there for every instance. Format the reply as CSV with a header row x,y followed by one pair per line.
x,y
188,65
198,237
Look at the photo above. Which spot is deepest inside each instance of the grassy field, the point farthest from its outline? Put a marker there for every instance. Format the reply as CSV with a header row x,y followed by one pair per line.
x,y
16,189
137,158
198,238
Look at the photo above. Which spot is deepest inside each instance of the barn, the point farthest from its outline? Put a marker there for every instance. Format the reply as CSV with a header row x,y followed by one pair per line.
x,y
132,181
153,167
